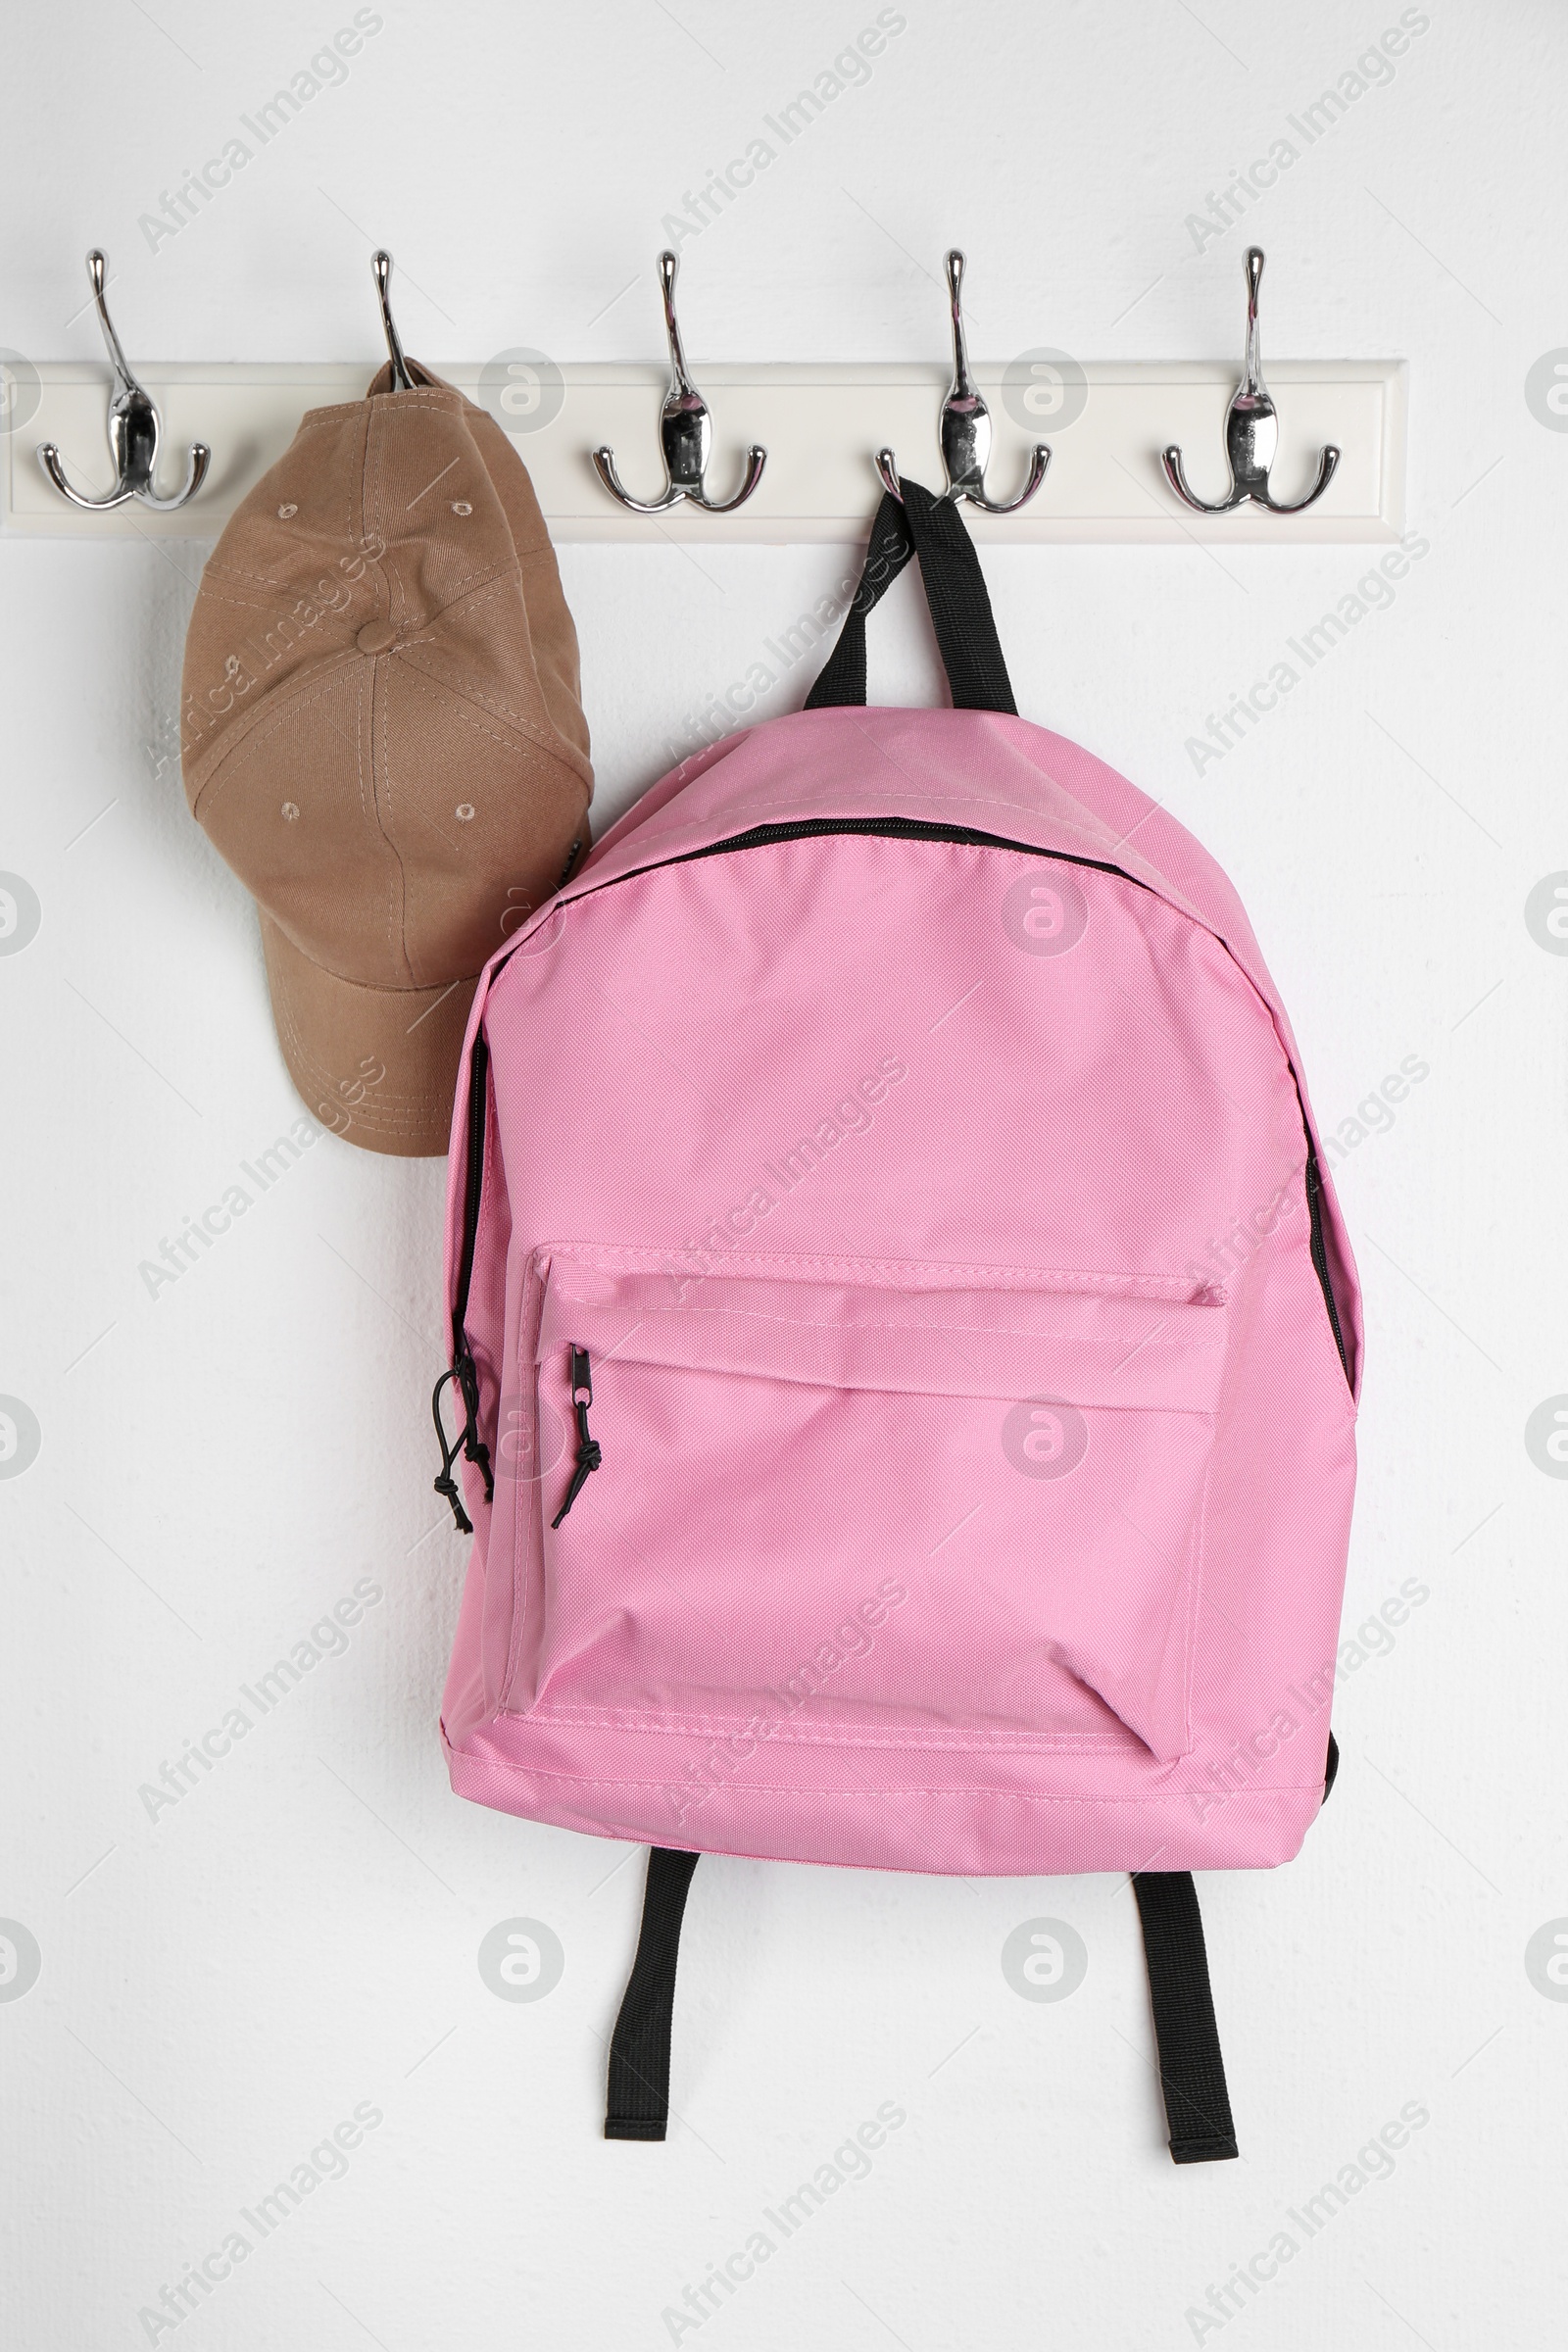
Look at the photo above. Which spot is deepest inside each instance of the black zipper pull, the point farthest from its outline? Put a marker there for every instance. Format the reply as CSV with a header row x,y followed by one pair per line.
x,y
445,1483
589,1456
467,1441
475,1449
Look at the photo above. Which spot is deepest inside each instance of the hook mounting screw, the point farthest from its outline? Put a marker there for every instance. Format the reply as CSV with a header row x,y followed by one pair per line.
x,y
965,430
1251,432
685,433
133,431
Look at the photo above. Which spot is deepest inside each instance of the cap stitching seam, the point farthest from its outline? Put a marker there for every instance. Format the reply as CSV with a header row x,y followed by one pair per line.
x,y
474,598
478,588
545,736
263,722
237,572
402,1108
424,686
360,539
398,880
315,420
246,604
488,582
367,809
397,901
374,988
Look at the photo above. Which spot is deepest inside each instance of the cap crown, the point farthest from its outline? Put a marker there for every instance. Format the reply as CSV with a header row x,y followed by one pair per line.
x,y
383,726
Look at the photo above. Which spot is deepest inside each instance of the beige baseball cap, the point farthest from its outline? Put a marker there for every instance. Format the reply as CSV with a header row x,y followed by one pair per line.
x,y
382,733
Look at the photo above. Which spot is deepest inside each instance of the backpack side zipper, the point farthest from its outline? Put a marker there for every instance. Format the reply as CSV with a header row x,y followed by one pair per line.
x,y
1320,1254
463,1371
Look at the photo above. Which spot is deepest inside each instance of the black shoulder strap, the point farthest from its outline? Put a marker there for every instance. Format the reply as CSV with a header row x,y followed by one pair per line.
x,y
637,2106
916,523
1198,2106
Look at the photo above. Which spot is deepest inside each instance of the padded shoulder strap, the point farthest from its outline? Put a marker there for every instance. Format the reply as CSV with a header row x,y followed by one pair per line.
x,y
916,523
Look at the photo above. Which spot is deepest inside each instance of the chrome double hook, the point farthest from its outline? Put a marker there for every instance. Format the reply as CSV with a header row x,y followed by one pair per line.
x,y
685,433
964,431
1251,432
134,431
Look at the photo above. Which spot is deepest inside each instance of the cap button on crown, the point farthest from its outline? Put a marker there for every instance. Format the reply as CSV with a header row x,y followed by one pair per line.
x,y
375,636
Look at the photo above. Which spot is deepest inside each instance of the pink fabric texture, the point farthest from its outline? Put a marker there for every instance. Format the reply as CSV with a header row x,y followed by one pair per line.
x,y
977,1451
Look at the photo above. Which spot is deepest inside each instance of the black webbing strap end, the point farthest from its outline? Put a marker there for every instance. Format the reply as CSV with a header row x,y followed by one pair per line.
x,y
1212,2150
1192,2071
637,2104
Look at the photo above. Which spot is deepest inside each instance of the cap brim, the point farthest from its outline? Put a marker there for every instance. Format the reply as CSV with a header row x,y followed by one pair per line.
x,y
374,1065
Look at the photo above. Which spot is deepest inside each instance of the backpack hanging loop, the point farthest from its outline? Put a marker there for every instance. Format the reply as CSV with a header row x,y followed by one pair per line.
x,y
964,429
134,428
685,433
1251,432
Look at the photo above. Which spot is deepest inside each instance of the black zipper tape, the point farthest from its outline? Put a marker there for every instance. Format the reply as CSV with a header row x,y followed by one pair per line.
x,y
1320,1254
463,1370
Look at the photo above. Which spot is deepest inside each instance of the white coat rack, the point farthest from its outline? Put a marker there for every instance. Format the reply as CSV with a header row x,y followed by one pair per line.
x,y
1103,450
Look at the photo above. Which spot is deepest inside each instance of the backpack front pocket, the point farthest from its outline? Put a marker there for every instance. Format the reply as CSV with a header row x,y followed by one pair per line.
x,y
825,1501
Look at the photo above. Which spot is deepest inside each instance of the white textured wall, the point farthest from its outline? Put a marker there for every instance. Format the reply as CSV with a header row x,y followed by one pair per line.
x,y
296,1939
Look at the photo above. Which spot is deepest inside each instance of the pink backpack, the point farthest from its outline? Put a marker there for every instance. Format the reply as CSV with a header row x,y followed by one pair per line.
x,y
906,1343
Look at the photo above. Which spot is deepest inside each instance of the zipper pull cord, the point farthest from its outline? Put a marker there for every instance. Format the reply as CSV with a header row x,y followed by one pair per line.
x,y
445,1483
589,1455
475,1449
